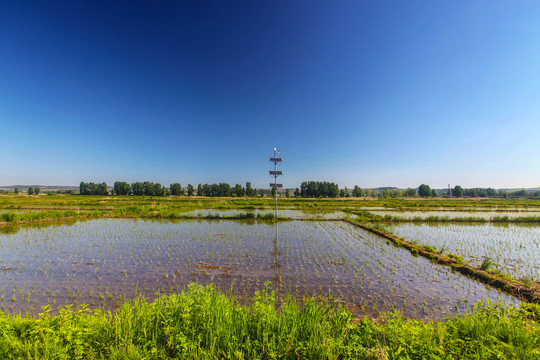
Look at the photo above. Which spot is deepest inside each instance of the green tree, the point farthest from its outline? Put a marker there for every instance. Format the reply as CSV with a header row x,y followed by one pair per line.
x,y
199,190
238,190
148,188
433,193
176,189
137,188
30,191
249,190
396,193
190,190
16,191
491,192
122,188
310,189
470,192
519,193
297,192
261,192
457,191
410,192
158,190
424,190
101,189
287,193
83,188
357,191
36,190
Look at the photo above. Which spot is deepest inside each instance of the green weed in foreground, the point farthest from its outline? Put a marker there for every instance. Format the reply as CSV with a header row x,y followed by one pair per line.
x,y
202,322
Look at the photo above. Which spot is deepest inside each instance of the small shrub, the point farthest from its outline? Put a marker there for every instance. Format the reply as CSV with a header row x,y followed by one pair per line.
x,y
268,216
9,217
458,258
429,248
486,264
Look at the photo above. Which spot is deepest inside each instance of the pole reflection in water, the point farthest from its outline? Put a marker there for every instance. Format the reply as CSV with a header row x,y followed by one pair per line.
x,y
277,253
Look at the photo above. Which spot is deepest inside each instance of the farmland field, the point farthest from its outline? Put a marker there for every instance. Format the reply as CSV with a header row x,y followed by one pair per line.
x,y
101,262
513,248
115,247
284,213
486,214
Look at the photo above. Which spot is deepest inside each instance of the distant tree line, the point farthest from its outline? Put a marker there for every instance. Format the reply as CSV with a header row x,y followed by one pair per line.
x,y
214,190
176,189
310,189
357,191
65,192
93,188
458,191
225,190
33,190
327,189
148,188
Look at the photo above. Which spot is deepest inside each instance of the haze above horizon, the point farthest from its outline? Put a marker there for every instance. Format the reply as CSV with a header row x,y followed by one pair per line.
x,y
354,92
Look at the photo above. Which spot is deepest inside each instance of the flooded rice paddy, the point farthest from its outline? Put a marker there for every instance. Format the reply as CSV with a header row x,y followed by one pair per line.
x,y
513,248
487,215
286,213
102,262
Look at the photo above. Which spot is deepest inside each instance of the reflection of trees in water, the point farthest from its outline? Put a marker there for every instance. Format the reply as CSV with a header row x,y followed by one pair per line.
x,y
14,228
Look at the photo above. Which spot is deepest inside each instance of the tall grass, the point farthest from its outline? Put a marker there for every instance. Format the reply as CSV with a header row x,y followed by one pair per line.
x,y
201,322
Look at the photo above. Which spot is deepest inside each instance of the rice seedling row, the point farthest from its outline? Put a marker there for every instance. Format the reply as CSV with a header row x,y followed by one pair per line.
x,y
102,262
487,215
513,249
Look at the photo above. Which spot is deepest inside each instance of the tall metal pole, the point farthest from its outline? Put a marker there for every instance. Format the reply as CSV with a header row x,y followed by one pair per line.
x,y
275,179
275,174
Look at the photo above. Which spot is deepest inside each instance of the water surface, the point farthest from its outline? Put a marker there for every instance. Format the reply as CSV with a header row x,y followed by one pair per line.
x,y
101,262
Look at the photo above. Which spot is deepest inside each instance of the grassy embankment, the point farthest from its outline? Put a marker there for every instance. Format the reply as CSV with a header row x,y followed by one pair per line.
x,y
201,322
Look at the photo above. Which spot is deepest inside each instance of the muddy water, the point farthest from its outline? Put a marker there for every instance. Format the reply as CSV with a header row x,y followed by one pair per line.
x,y
101,262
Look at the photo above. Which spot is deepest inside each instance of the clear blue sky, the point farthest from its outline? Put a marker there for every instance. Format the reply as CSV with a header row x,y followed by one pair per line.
x,y
368,93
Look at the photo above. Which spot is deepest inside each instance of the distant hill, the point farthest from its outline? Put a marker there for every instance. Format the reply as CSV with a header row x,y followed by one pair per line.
x,y
527,189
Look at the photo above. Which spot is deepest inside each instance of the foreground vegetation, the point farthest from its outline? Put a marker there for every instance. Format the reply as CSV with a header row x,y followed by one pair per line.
x,y
201,322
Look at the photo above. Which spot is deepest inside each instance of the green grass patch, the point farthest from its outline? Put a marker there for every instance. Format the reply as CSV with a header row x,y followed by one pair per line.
x,y
201,322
